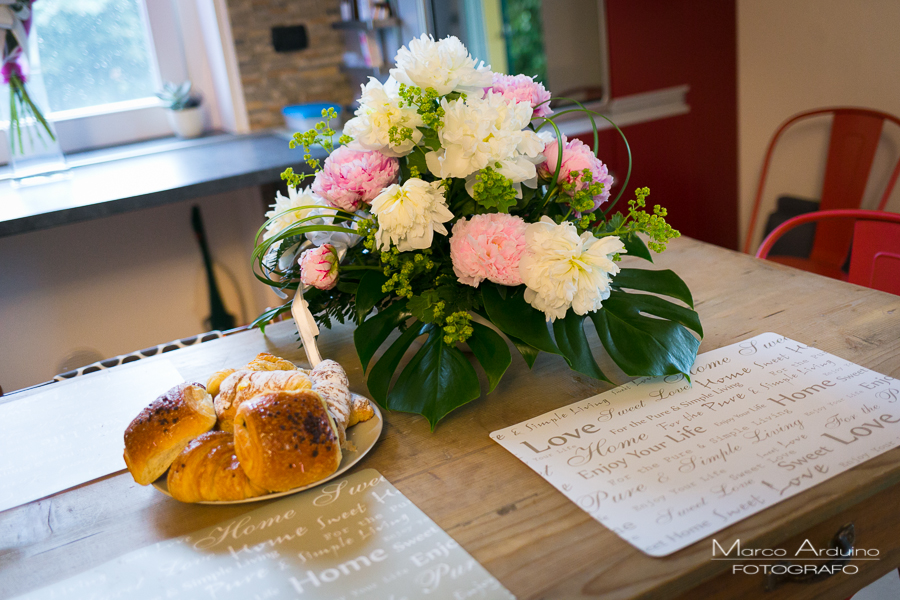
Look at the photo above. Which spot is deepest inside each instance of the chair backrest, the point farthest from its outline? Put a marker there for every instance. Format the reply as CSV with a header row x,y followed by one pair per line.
x,y
875,256
855,133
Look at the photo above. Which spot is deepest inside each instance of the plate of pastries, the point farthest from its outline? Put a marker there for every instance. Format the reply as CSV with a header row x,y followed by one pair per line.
x,y
264,430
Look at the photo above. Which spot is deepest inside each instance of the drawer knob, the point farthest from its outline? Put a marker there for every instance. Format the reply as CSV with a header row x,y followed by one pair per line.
x,y
843,541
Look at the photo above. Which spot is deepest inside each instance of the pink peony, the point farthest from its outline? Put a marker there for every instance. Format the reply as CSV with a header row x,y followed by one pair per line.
x,y
350,178
488,247
523,88
319,267
576,158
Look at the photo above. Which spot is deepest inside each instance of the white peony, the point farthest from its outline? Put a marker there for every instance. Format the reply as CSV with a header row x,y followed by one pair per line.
x,y
481,132
444,65
294,199
409,215
562,270
379,110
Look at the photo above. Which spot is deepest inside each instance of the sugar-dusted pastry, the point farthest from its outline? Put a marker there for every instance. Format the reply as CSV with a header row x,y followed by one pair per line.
x,y
243,385
286,440
360,409
208,470
330,381
162,430
263,362
269,362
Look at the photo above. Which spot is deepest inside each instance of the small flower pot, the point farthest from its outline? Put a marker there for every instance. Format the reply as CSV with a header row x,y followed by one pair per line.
x,y
186,123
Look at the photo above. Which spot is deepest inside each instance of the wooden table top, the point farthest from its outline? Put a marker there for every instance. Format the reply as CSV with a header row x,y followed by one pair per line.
x,y
526,533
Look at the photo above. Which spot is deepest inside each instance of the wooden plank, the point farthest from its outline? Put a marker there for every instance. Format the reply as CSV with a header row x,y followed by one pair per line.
x,y
534,540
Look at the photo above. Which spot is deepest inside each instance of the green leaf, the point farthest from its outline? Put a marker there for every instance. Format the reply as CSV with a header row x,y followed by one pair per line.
x,y
491,351
369,292
529,353
417,159
379,379
436,381
573,344
664,282
643,345
659,307
515,317
372,332
635,246
263,319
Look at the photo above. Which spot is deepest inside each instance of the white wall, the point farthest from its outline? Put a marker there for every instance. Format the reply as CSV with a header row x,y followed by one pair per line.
x,y
121,283
796,55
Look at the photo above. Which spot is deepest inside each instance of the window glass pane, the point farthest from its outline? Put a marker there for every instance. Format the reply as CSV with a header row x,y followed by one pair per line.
x,y
93,52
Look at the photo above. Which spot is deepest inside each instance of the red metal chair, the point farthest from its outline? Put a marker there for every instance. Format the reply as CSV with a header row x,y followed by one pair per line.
x,y
855,133
875,254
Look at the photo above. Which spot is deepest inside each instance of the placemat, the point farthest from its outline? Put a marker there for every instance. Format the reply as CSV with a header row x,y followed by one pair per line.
x,y
664,463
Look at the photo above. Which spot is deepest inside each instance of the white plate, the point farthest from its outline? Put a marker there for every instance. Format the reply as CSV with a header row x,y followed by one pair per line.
x,y
363,435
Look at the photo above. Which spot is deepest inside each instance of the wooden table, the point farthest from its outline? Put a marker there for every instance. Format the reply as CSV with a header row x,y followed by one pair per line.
x,y
527,534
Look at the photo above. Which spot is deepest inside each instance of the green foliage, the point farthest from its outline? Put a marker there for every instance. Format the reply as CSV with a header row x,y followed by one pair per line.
x,y
493,191
428,106
178,97
525,38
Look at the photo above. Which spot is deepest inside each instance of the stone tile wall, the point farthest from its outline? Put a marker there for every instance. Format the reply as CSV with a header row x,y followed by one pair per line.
x,y
272,80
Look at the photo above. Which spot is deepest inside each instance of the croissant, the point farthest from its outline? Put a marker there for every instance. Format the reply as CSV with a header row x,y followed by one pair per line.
x,y
285,440
240,386
162,430
208,470
360,410
263,362
330,381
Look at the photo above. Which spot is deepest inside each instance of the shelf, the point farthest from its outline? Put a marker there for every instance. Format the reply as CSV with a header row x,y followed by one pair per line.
x,y
362,71
367,25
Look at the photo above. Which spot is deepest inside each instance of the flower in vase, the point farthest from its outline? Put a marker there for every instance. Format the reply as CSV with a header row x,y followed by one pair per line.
x,y
294,200
576,157
488,247
522,88
379,114
561,269
351,178
408,215
479,132
443,65
319,267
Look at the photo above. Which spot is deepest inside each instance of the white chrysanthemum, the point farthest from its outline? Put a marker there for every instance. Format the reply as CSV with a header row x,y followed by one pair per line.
x,y
444,65
379,110
562,270
409,215
479,132
294,199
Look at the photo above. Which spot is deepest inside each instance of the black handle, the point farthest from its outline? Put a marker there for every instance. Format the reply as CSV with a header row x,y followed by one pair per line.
x,y
218,318
843,541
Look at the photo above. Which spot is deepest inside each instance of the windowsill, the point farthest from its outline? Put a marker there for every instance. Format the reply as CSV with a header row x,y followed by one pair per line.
x,y
628,110
116,180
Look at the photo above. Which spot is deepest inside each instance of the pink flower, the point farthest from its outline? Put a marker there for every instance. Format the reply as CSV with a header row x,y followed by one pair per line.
x,y
350,178
488,247
522,88
319,267
576,158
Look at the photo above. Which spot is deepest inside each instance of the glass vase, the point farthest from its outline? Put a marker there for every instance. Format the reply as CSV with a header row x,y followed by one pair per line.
x,y
35,155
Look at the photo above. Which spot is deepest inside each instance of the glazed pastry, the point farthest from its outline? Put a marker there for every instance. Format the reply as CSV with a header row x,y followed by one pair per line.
x,y
162,430
286,440
207,470
330,381
213,383
240,386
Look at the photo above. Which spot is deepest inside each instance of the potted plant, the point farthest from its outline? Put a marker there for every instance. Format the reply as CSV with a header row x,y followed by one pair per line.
x,y
183,109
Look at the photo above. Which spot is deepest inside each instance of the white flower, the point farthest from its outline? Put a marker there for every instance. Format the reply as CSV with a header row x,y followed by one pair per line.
x,y
562,270
409,215
444,65
480,132
378,112
294,200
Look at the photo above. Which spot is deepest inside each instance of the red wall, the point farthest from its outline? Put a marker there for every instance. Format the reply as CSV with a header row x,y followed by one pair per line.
x,y
689,162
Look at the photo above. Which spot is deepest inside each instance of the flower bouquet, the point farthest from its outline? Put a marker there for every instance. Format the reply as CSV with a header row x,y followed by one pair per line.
x,y
454,210
15,22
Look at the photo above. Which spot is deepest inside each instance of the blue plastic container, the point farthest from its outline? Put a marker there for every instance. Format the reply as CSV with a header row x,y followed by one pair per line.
x,y
302,117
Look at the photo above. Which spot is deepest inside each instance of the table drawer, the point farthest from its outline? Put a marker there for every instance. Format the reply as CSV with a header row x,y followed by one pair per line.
x,y
876,524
